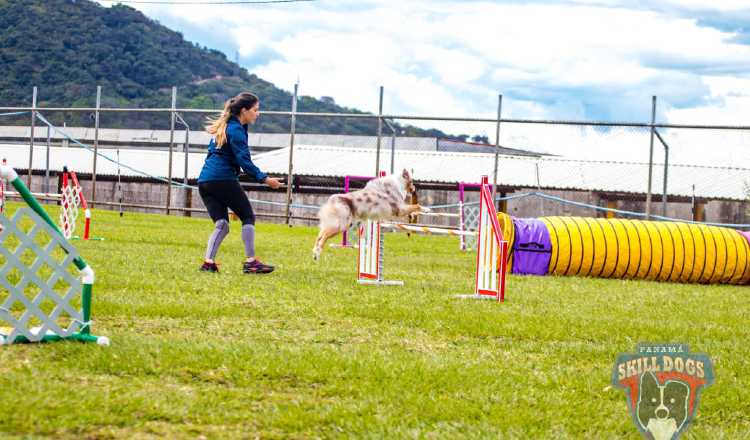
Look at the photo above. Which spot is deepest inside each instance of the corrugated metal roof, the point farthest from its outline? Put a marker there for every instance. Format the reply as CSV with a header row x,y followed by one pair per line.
x,y
200,137
428,166
80,160
515,171
264,140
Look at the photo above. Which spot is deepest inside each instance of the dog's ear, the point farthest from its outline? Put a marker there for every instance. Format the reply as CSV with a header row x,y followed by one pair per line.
x,y
676,395
649,385
649,398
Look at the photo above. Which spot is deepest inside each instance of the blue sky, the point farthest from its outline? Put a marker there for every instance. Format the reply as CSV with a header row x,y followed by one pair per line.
x,y
555,59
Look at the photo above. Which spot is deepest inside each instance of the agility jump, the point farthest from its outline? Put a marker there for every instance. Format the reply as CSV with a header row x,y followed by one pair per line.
x,y
72,197
466,223
492,251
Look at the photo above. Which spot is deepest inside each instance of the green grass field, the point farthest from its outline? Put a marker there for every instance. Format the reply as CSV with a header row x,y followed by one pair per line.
x,y
307,353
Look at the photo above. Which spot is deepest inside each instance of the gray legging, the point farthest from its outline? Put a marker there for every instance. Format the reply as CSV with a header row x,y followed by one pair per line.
x,y
218,197
221,231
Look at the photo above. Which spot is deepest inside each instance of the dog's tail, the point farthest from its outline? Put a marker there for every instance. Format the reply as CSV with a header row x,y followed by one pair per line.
x,y
336,213
335,216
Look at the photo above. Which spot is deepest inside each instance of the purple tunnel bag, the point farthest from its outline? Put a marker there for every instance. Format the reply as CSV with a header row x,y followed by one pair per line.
x,y
532,248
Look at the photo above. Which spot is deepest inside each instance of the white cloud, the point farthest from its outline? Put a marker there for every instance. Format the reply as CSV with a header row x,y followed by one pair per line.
x,y
730,104
719,5
568,59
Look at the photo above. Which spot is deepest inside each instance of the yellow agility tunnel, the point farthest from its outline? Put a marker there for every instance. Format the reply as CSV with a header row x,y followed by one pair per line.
x,y
629,249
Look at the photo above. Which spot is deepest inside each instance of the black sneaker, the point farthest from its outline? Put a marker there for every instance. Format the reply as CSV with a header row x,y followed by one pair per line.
x,y
209,267
256,267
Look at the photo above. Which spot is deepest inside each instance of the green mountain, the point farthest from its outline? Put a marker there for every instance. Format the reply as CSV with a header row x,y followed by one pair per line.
x,y
68,47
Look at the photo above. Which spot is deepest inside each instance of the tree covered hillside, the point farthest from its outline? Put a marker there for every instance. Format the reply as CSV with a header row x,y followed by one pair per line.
x,y
68,47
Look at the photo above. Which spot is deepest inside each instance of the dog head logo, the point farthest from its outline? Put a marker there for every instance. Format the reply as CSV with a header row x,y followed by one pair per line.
x,y
662,383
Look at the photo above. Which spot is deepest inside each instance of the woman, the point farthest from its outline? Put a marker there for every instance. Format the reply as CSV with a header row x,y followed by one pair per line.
x,y
219,185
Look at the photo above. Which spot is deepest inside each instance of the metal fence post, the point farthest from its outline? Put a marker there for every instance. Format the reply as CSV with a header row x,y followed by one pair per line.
x,y
46,164
186,149
538,188
393,143
290,175
497,147
692,203
171,147
96,143
666,168
393,151
380,133
31,137
651,157
664,190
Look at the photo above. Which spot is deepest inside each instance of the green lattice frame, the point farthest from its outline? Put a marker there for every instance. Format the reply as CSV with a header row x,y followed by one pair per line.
x,y
87,274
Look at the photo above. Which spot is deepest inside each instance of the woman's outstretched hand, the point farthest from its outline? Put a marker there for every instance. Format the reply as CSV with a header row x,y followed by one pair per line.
x,y
273,182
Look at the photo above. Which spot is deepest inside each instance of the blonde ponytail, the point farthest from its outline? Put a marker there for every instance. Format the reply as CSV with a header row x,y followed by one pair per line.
x,y
217,127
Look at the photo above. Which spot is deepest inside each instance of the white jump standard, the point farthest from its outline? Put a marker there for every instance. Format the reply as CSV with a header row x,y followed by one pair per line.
x,y
370,256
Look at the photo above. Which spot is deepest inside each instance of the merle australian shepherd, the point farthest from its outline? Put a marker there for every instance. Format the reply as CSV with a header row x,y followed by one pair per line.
x,y
384,198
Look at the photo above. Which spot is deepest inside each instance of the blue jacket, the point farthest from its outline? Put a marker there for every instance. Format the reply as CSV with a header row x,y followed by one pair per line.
x,y
224,163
